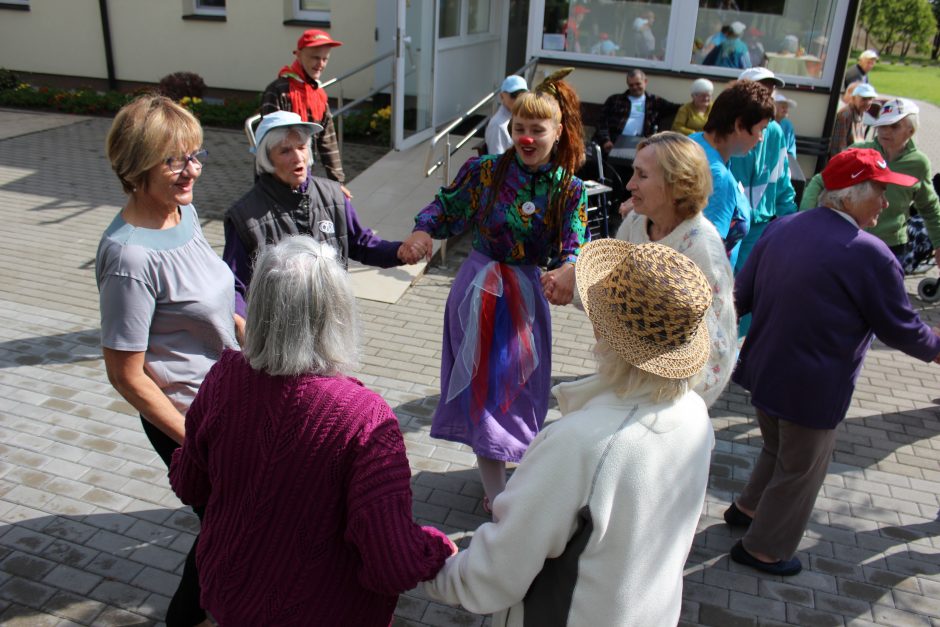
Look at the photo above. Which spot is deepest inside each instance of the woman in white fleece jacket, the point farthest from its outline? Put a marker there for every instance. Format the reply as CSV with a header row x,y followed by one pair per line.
x,y
610,494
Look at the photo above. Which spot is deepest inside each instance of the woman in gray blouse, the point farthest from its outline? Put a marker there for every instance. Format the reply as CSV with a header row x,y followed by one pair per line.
x,y
166,298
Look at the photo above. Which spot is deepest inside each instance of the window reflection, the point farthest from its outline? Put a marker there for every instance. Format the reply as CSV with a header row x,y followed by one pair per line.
x,y
613,29
478,18
449,18
788,37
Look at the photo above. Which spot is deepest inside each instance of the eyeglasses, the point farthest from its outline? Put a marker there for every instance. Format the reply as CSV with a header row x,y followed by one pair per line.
x,y
178,164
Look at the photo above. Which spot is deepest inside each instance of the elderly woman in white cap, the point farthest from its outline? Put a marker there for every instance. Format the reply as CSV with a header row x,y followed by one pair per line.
x,y
895,127
595,526
287,200
691,117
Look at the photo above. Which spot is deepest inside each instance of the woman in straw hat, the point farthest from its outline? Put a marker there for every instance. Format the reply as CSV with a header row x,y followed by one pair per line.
x,y
522,207
671,184
596,523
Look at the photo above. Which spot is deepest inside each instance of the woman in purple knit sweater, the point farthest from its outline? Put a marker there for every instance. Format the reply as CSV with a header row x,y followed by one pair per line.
x,y
301,468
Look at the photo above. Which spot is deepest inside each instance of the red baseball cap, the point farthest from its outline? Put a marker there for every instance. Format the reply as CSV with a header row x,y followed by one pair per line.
x,y
581,10
314,38
858,165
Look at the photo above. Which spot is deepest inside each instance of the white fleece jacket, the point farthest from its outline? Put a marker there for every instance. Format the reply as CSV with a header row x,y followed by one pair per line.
x,y
646,505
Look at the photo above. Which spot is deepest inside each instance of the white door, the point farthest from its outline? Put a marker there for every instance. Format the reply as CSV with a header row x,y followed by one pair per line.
x,y
471,54
412,112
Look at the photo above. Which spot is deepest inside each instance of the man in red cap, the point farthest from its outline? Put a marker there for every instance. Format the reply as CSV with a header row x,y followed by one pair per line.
x,y
297,88
819,288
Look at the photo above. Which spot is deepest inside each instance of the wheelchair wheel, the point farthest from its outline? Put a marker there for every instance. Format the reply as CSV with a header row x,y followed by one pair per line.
x,y
928,290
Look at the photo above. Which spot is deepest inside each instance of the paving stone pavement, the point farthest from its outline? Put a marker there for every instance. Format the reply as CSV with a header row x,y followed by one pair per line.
x,y
91,534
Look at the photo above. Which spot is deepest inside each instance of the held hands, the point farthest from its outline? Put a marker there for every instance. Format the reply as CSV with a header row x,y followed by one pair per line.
x,y
626,207
418,246
558,284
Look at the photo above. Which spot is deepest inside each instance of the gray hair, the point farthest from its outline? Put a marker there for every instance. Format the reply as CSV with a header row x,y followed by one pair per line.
x,y
627,380
274,137
837,198
301,311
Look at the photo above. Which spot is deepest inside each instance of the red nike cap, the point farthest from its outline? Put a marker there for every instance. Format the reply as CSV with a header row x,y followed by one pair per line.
x,y
858,165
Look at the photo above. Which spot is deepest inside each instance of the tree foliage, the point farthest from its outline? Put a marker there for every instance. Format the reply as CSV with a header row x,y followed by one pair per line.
x,y
900,26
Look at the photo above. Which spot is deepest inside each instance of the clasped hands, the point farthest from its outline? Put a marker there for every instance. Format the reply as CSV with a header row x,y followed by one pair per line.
x,y
418,246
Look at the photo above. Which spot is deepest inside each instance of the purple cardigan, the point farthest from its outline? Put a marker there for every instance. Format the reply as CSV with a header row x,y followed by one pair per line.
x,y
819,288
308,500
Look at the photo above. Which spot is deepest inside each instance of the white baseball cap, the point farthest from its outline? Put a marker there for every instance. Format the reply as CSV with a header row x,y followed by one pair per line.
x,y
868,54
760,74
738,27
778,97
277,119
892,111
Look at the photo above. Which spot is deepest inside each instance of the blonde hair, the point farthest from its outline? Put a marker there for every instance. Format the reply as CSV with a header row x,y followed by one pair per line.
x,y
627,380
145,132
685,171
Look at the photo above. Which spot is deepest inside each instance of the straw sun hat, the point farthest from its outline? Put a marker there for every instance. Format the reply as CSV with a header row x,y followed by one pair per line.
x,y
648,302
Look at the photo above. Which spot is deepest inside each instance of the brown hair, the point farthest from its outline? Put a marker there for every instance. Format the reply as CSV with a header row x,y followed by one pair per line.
x,y
746,101
685,171
146,131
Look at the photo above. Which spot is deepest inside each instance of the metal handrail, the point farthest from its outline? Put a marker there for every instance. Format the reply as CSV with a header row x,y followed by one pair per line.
x,y
341,109
429,169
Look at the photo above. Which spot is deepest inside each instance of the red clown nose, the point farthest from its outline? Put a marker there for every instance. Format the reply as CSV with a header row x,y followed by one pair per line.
x,y
526,141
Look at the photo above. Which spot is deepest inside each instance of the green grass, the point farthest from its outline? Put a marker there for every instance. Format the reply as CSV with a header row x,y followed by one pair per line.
x,y
907,81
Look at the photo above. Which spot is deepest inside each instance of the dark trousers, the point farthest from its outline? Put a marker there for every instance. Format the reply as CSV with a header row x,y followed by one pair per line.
x,y
784,484
185,609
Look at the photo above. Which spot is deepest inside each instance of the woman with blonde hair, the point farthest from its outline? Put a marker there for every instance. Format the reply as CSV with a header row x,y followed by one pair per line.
x,y
166,299
596,523
671,184
522,207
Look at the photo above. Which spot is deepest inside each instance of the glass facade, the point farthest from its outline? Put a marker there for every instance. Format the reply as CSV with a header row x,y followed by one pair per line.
x,y
791,37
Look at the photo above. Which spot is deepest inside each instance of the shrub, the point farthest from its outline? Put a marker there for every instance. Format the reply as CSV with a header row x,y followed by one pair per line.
x,y
8,79
179,85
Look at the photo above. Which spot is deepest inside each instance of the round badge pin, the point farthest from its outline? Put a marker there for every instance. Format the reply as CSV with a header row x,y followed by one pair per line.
x,y
528,207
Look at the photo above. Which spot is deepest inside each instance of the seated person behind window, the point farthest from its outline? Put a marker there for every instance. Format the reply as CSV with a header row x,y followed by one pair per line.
x,y
497,129
634,113
782,106
732,52
645,40
692,115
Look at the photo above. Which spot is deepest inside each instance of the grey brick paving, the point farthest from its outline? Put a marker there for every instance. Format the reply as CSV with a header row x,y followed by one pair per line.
x,y
91,534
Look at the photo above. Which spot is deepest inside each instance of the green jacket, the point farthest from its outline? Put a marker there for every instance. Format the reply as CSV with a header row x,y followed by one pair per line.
x,y
891,227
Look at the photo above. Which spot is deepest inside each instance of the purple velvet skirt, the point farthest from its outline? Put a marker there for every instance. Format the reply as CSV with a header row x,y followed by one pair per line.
x,y
496,359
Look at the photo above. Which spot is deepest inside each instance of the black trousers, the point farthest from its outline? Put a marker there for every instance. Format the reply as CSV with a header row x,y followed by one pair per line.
x,y
185,609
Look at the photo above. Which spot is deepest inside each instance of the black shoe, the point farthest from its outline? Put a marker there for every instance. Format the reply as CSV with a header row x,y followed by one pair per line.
x,y
736,518
783,568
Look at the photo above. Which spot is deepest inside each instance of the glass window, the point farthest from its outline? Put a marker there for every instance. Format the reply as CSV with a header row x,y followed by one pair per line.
x,y
616,29
209,7
478,20
314,10
449,19
790,38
